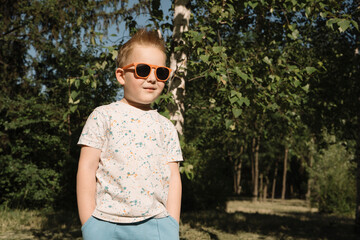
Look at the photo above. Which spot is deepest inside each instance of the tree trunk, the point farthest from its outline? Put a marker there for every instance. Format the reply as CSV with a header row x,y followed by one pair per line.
x,y
252,158
178,63
265,190
237,177
283,192
274,181
357,158
255,153
261,186
237,172
309,181
69,122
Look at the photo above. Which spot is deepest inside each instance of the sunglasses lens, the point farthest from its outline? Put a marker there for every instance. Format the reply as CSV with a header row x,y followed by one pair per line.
x,y
162,73
143,70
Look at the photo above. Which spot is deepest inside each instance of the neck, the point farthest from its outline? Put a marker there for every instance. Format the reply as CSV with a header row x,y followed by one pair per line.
x,y
141,106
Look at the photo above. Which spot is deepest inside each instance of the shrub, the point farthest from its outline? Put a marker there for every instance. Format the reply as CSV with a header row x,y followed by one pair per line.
x,y
334,178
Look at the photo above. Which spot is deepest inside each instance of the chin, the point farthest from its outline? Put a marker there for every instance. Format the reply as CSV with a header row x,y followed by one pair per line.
x,y
145,102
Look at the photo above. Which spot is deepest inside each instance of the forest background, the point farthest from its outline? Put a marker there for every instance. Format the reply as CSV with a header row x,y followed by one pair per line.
x,y
265,96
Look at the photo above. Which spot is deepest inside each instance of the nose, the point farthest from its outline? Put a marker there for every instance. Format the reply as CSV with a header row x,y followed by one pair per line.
x,y
152,78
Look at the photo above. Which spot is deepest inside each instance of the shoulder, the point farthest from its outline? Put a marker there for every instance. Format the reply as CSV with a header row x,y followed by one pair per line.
x,y
166,123
165,120
109,109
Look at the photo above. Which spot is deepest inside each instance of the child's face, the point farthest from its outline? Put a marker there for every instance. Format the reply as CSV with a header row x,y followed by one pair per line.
x,y
142,91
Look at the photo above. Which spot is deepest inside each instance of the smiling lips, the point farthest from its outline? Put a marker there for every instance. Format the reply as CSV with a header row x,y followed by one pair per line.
x,y
150,89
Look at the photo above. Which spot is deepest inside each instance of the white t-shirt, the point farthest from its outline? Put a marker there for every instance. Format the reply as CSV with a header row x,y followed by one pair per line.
x,y
133,174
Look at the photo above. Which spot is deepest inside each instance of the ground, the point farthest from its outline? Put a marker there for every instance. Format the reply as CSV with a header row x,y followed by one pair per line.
x,y
271,220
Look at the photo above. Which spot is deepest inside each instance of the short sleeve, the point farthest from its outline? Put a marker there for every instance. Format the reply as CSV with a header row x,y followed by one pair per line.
x,y
173,145
94,131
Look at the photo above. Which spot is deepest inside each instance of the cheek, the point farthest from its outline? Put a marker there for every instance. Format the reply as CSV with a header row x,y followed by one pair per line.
x,y
161,85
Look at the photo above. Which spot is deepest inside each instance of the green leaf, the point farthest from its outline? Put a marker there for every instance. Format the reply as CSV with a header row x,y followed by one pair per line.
x,y
79,21
188,170
197,37
297,83
233,99
246,101
355,24
267,60
217,49
237,112
73,108
331,22
71,81
103,65
212,100
233,93
204,58
310,70
199,50
253,5
228,122
242,75
307,12
295,34
306,87
114,54
93,84
343,25
323,14
74,94
77,83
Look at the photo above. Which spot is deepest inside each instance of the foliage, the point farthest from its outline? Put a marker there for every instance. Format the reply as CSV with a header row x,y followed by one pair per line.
x,y
276,72
254,70
335,180
41,58
30,140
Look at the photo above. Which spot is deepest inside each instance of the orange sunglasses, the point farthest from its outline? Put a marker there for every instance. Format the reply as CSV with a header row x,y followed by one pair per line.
x,y
143,70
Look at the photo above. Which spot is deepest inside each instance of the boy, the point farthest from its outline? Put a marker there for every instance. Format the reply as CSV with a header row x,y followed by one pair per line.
x,y
128,180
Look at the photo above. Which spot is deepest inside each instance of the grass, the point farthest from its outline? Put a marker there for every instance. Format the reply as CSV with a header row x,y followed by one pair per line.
x,y
290,219
31,224
287,220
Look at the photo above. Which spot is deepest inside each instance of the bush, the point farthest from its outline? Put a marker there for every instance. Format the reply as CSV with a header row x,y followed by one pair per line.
x,y
334,178
210,183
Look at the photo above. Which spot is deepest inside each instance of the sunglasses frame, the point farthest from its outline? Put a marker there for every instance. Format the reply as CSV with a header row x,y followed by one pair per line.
x,y
151,67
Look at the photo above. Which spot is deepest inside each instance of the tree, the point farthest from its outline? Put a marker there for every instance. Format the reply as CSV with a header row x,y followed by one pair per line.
x,y
41,62
260,79
338,69
251,59
178,62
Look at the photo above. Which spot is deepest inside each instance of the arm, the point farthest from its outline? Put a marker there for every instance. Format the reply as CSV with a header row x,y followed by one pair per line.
x,y
173,205
86,181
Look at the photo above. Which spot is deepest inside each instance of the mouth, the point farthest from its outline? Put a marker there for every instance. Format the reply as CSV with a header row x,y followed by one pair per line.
x,y
149,88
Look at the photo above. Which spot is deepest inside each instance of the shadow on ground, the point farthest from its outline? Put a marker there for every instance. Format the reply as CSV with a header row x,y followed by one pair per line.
x,y
290,226
314,226
59,225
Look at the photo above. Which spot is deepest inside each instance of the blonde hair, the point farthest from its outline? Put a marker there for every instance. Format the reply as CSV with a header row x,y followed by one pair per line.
x,y
141,37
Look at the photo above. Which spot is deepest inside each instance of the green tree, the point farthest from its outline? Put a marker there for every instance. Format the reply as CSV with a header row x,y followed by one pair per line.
x,y
41,54
250,61
332,101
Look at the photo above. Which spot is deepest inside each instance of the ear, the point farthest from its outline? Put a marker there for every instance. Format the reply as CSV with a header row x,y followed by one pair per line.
x,y
120,76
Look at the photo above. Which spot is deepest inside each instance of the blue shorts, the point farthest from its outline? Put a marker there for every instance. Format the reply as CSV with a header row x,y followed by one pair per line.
x,y
152,229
